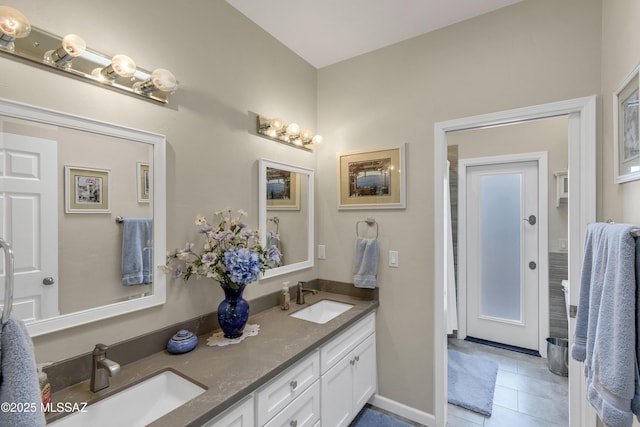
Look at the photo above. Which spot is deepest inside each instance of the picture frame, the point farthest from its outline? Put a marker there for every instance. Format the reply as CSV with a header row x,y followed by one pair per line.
x,y
143,173
372,179
626,135
283,190
87,190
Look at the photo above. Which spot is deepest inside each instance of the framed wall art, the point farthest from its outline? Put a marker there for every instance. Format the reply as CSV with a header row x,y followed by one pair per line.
x,y
87,190
626,136
144,182
372,179
283,190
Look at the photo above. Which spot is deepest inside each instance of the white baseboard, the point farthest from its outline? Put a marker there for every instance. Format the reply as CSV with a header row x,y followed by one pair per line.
x,y
403,410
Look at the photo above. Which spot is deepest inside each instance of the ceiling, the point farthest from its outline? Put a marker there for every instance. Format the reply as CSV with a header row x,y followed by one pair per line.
x,y
324,32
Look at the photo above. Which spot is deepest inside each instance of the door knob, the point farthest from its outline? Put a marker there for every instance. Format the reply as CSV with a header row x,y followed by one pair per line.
x,y
532,265
531,220
48,281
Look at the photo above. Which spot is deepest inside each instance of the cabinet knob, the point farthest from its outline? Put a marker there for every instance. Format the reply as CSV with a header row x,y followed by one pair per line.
x,y
293,423
357,358
293,384
352,362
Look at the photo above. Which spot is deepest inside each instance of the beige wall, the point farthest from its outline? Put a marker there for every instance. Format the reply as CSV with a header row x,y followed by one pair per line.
x,y
620,55
549,135
227,68
529,53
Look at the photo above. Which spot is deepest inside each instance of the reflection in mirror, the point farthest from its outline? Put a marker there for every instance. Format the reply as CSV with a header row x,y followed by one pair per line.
x,y
67,180
286,214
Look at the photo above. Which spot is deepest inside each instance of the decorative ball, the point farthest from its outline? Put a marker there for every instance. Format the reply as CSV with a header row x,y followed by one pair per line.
x,y
182,342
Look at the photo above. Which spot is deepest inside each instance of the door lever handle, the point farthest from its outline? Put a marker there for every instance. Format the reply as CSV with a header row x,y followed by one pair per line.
x,y
531,220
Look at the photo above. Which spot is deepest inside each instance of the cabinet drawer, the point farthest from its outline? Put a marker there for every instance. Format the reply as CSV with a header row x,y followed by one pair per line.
x,y
283,389
340,346
239,415
302,412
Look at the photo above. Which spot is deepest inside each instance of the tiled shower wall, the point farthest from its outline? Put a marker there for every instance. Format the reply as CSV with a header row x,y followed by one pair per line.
x,y
558,271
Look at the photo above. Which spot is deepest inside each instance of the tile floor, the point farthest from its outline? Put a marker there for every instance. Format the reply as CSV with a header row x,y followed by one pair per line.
x,y
527,394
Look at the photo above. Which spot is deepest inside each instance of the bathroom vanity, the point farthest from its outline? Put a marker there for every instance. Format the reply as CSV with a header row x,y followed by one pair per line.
x,y
272,379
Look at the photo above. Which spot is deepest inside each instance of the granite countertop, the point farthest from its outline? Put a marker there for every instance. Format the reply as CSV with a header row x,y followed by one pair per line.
x,y
231,372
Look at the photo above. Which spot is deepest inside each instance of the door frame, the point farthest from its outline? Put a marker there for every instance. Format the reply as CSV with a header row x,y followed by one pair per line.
x,y
582,133
543,238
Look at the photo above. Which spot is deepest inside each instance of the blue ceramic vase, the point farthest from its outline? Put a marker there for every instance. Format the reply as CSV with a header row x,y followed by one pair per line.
x,y
182,342
233,312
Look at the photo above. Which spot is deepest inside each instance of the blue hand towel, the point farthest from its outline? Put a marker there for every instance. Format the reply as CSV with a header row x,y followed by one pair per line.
x,y
605,335
366,263
137,237
19,383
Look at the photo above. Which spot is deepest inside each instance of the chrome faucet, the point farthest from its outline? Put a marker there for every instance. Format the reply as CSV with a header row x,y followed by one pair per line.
x,y
301,291
102,369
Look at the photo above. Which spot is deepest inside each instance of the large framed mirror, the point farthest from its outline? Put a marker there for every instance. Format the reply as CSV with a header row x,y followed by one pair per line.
x,y
84,209
286,210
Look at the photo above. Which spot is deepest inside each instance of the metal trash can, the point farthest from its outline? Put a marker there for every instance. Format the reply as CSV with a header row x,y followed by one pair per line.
x,y
558,356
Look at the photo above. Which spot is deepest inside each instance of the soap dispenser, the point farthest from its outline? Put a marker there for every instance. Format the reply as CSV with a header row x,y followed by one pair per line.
x,y
285,298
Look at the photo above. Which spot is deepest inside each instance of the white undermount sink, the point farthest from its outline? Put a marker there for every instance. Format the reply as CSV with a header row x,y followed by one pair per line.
x,y
322,311
137,405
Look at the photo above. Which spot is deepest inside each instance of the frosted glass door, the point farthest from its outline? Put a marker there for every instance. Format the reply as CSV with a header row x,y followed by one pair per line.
x,y
500,240
501,244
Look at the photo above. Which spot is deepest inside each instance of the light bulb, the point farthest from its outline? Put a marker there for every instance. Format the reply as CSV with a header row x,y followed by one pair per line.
x,y
306,136
121,65
293,129
13,25
317,139
161,79
276,124
72,47
164,80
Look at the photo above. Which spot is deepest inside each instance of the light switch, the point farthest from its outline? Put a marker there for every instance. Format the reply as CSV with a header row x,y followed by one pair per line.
x,y
393,259
322,252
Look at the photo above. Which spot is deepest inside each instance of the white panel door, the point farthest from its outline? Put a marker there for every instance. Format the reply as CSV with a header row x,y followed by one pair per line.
x,y
502,253
29,209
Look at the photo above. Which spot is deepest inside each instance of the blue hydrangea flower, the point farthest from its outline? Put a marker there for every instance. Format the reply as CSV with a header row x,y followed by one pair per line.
x,y
243,265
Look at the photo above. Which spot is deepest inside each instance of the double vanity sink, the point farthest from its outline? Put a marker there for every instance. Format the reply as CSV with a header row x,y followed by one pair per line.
x,y
192,388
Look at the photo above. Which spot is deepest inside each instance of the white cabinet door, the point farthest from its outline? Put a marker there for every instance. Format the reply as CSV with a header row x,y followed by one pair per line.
x,y
337,395
240,415
364,373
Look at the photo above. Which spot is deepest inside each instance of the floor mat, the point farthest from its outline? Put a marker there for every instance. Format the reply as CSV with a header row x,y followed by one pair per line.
x,y
472,382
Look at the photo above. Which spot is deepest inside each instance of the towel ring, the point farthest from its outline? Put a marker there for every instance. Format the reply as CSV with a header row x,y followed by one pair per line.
x,y
370,222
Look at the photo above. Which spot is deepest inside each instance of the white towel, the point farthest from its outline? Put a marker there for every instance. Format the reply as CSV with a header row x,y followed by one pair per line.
x,y
606,323
366,263
137,256
19,384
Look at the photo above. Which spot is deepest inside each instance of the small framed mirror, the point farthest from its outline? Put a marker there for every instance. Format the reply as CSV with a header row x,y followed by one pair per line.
x,y
286,207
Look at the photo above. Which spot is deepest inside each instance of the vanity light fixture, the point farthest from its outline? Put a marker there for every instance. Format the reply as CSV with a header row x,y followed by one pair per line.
x,y
71,56
13,25
289,134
